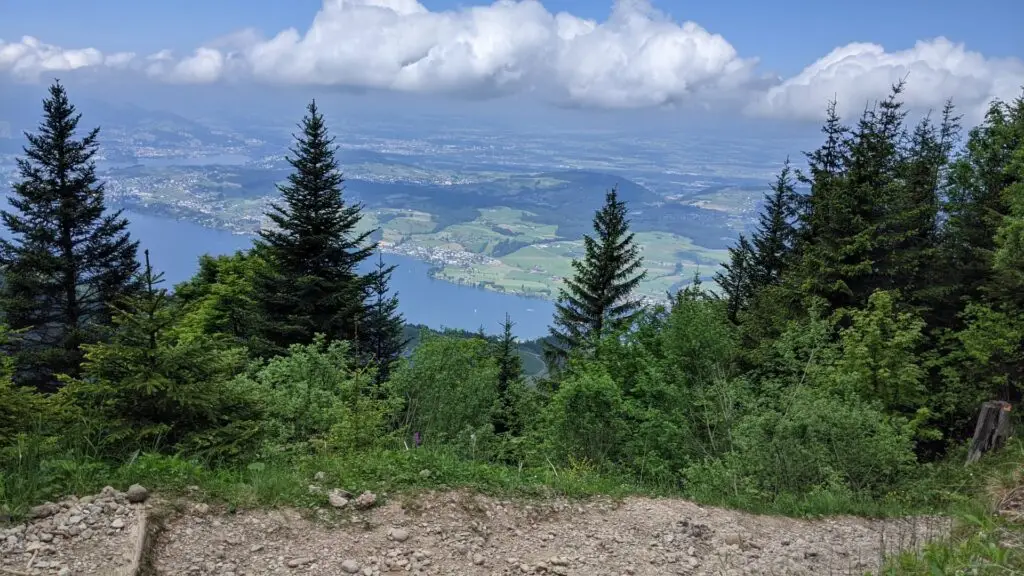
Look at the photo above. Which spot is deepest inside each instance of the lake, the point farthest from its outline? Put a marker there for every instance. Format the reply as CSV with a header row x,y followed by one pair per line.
x,y
175,246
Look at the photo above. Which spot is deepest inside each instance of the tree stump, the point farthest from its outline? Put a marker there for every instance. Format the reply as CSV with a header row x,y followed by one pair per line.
x,y
993,428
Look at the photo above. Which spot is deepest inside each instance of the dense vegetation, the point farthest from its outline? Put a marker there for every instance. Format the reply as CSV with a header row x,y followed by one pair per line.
x,y
857,330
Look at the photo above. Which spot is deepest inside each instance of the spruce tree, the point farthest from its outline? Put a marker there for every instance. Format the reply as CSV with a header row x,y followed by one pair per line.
x,y
510,374
312,284
382,329
735,279
151,383
597,300
69,259
852,183
759,262
775,239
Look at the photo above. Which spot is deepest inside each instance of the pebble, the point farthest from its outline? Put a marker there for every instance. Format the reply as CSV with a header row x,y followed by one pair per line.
x,y
137,493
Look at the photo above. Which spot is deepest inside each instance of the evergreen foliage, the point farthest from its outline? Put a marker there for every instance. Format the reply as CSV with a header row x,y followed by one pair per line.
x,y
311,284
382,335
68,259
597,300
510,375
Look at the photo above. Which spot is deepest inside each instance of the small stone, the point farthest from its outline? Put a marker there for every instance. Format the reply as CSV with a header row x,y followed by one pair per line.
x,y
117,524
44,510
337,498
399,535
75,520
319,476
137,494
64,571
478,559
366,500
255,548
202,509
350,566
296,562
45,537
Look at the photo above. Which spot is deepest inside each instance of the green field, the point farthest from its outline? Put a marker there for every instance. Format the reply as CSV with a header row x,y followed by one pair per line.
x,y
671,260
492,227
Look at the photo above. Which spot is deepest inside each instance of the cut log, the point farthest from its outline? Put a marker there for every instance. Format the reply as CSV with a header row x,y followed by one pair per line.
x,y
993,428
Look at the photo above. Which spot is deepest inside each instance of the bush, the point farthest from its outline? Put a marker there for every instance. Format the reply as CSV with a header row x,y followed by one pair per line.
x,y
316,397
449,391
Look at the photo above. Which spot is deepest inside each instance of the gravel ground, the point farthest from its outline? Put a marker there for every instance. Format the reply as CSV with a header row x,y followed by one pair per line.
x,y
461,534
89,535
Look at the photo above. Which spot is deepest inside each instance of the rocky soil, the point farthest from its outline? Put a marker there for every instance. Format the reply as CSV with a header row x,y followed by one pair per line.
x,y
89,535
454,533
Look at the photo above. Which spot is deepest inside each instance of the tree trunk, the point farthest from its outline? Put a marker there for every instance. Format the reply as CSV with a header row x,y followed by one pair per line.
x,y
993,428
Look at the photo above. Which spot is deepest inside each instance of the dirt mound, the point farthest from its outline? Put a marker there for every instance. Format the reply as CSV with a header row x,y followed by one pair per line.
x,y
458,533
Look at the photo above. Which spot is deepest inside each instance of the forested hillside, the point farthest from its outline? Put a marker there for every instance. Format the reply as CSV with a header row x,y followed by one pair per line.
x,y
840,369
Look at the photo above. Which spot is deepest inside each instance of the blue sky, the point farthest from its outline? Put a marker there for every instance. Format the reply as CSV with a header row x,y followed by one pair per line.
x,y
785,34
780,58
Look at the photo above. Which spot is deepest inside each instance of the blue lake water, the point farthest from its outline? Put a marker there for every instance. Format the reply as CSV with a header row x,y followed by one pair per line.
x,y
175,247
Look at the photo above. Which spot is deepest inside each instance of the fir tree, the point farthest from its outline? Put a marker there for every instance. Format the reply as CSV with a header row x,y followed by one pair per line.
x,y
68,260
775,239
151,383
597,300
758,263
510,374
735,279
852,179
381,331
312,284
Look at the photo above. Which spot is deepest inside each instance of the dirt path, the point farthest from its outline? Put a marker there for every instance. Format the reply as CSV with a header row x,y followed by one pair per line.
x,y
461,534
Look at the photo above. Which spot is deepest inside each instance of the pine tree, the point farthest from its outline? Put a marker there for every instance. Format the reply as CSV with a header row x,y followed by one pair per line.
x,y
312,284
510,374
774,241
150,382
69,260
735,279
597,300
382,329
759,262
910,261
852,181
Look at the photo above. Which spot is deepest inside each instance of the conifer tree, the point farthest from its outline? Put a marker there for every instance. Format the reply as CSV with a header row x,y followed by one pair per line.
x,y
852,179
911,230
774,241
382,329
735,279
312,284
597,300
69,259
759,262
150,382
510,373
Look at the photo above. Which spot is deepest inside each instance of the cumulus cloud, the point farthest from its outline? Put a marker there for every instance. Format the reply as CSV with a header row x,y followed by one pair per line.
x,y
637,57
28,59
859,73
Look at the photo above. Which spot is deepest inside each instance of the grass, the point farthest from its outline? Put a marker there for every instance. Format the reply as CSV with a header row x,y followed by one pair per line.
x,y
37,474
981,542
988,537
285,481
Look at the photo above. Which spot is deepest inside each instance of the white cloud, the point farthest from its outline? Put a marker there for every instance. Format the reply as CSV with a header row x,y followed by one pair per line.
x,y
29,59
859,73
637,57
